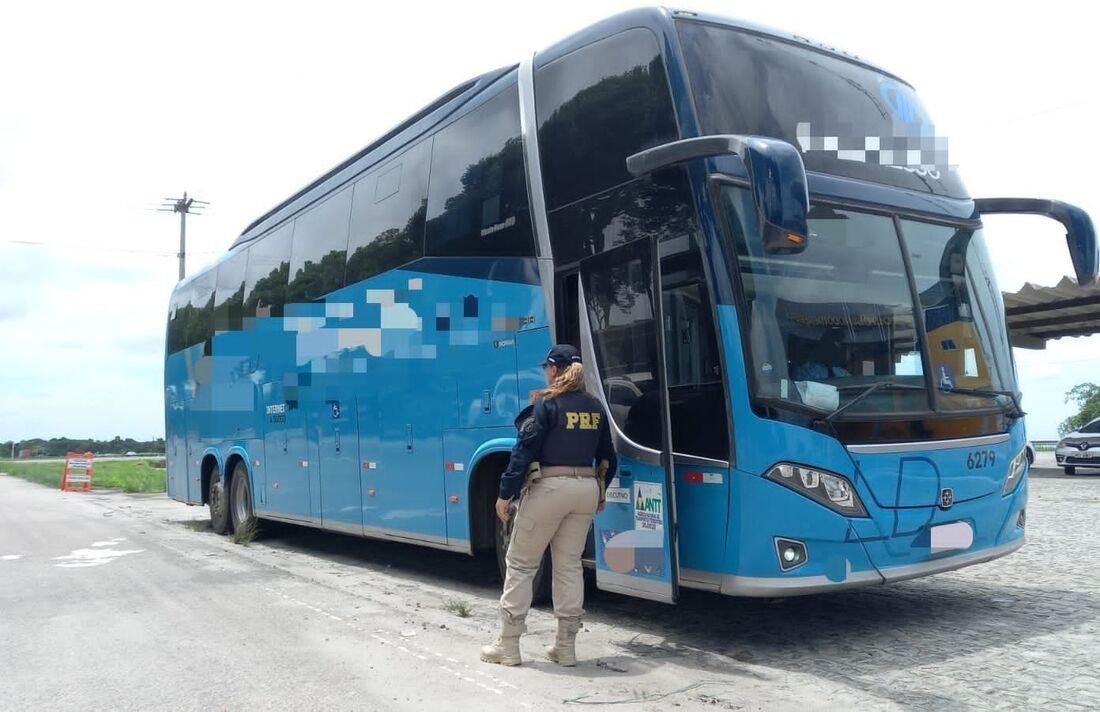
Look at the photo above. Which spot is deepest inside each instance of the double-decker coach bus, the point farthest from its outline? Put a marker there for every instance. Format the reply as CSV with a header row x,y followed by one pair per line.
x,y
782,296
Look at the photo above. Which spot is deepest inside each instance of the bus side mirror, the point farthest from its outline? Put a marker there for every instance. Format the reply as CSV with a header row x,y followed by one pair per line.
x,y
775,171
1080,233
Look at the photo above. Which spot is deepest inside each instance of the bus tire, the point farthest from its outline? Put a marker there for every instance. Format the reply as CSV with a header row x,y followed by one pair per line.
x,y
219,504
240,499
1071,470
544,577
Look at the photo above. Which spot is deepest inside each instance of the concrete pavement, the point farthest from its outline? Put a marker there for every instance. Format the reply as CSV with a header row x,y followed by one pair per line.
x,y
110,601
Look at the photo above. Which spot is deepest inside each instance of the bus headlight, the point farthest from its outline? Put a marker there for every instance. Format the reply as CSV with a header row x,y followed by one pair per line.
x,y
833,491
1015,472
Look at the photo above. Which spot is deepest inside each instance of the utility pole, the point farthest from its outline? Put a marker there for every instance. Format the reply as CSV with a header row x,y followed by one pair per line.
x,y
184,206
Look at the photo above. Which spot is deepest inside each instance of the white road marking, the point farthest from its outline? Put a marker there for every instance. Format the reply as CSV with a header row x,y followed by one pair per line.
x,y
109,542
10,557
84,558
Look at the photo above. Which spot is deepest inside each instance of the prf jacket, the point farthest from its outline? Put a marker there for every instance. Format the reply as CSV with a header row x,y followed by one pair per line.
x,y
570,429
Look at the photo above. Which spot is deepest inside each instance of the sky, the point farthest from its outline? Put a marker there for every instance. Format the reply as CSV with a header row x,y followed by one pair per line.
x,y
108,108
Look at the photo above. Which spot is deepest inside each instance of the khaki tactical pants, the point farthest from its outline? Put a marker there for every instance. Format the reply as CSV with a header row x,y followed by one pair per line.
x,y
555,511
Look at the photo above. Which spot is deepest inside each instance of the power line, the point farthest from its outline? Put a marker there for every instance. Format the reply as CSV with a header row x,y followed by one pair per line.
x,y
99,248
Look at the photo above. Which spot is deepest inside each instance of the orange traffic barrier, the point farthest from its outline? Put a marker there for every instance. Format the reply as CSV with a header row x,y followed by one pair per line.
x,y
77,476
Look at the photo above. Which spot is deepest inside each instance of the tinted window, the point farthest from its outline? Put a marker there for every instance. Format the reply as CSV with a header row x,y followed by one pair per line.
x,y
387,218
745,83
229,295
694,377
320,249
659,205
477,200
178,312
200,320
596,106
624,331
266,276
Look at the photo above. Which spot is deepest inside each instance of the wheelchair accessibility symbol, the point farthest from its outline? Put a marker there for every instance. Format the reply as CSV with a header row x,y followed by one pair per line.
x,y
335,406
946,377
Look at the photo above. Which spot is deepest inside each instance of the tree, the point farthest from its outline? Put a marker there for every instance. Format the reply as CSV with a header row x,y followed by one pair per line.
x,y
1087,398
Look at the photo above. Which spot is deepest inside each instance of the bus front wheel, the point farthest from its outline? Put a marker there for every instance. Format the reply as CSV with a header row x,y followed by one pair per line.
x,y
543,583
1071,470
219,504
240,498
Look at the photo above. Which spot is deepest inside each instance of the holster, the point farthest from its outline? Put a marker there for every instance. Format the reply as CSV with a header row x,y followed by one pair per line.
x,y
601,478
532,473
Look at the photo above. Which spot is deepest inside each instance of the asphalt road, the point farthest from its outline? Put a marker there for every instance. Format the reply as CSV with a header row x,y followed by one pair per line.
x,y
112,601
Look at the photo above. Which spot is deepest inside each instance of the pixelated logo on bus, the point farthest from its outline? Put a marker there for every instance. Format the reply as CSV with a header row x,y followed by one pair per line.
x,y
912,145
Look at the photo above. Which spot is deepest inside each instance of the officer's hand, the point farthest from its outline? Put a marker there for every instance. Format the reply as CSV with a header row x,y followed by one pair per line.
x,y
600,506
502,510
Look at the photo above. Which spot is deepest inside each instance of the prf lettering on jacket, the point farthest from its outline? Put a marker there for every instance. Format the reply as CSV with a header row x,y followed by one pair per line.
x,y
584,421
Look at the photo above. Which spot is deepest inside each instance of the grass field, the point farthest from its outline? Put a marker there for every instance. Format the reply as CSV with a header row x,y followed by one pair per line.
x,y
127,475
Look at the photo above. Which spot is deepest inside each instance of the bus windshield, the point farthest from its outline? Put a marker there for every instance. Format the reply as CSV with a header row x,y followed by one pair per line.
x,y
825,325
849,119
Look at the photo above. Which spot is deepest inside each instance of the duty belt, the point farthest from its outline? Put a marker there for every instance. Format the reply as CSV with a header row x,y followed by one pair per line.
x,y
564,471
536,471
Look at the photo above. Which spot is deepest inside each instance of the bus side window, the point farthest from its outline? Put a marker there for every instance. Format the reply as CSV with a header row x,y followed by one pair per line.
x,y
477,199
387,215
319,249
595,107
179,312
229,293
266,275
200,323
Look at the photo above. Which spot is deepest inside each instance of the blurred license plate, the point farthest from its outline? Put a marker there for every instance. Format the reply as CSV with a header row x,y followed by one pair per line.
x,y
951,537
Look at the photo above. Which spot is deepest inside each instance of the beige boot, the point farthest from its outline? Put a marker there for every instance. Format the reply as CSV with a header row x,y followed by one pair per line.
x,y
564,650
505,649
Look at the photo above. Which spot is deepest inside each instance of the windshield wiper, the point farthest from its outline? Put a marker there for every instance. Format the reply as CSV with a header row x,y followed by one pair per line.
x,y
869,389
1014,397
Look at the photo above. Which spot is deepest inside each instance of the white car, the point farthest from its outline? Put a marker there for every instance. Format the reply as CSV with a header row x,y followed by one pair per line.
x,y
1081,448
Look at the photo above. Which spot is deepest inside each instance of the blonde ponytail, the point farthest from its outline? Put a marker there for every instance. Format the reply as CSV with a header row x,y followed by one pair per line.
x,y
569,379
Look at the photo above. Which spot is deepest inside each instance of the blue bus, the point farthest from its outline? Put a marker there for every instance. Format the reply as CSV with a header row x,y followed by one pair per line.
x,y
782,293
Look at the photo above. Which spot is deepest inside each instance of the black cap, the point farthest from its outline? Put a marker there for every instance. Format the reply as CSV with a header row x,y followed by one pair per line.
x,y
562,355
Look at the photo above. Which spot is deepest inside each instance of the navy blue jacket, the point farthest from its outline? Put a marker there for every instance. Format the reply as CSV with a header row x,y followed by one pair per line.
x,y
570,429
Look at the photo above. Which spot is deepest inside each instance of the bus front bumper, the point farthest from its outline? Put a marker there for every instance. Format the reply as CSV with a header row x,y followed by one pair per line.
x,y
839,553
778,587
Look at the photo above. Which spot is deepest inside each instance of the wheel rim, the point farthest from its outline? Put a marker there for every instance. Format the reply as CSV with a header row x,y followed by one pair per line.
x,y
241,506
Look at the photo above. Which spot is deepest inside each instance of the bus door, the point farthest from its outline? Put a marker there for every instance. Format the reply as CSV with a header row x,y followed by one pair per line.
x,y
623,352
286,452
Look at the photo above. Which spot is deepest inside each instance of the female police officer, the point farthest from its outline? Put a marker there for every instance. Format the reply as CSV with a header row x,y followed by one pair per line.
x,y
565,432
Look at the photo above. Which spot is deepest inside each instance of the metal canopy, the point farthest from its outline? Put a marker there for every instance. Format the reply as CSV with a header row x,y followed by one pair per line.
x,y
1037,314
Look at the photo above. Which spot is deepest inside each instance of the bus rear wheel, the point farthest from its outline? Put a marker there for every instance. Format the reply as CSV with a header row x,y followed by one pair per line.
x,y
544,578
240,498
219,503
